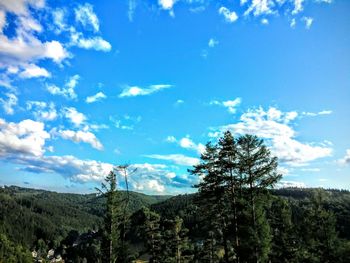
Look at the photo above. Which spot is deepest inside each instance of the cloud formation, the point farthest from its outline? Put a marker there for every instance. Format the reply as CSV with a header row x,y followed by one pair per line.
x,y
24,138
97,97
68,91
346,159
178,159
229,104
81,136
274,126
230,16
42,111
133,91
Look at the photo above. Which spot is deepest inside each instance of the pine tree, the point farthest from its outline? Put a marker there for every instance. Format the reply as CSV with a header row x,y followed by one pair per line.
x,y
212,199
111,234
152,234
257,169
284,236
227,158
320,241
175,242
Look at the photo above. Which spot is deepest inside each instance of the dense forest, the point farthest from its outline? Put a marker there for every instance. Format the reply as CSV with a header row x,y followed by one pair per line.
x,y
236,216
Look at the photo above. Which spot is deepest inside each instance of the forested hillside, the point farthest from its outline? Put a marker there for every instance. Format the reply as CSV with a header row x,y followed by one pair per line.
x,y
31,217
26,217
236,216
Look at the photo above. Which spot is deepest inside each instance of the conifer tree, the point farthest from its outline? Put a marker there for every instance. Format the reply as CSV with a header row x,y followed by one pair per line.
x,y
284,235
152,234
175,242
258,169
320,241
227,158
212,200
111,231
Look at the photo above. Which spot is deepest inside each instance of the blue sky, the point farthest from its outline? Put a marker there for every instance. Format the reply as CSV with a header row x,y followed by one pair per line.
x,y
88,85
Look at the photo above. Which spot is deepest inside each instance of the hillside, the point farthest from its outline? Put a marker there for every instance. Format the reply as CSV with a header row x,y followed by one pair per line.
x,y
30,218
28,215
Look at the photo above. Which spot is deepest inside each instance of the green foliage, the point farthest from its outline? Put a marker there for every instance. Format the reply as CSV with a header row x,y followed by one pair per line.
x,y
236,216
13,253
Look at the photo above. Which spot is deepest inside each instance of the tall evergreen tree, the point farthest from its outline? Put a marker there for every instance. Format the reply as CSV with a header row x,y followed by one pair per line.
x,y
152,235
258,169
212,198
320,241
227,158
284,235
111,234
175,242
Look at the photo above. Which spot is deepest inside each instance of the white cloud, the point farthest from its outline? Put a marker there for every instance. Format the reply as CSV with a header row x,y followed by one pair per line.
x,y
170,139
179,102
58,16
2,20
42,111
131,9
68,166
260,7
293,23
86,16
228,15
97,97
9,102
24,49
187,143
308,21
229,104
126,122
26,137
213,42
298,6
81,136
167,4
20,7
34,71
314,170
75,117
178,159
133,91
346,159
96,43
313,114
264,21
289,184
273,126
68,89
155,185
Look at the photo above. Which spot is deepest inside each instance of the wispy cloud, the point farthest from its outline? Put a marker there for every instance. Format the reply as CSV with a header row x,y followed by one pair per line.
x,y
212,42
308,21
75,117
42,111
178,159
68,91
86,16
9,102
346,159
125,122
187,143
230,16
133,91
97,97
229,104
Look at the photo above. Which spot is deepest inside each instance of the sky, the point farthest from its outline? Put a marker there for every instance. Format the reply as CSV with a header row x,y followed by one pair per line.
x,y
88,85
